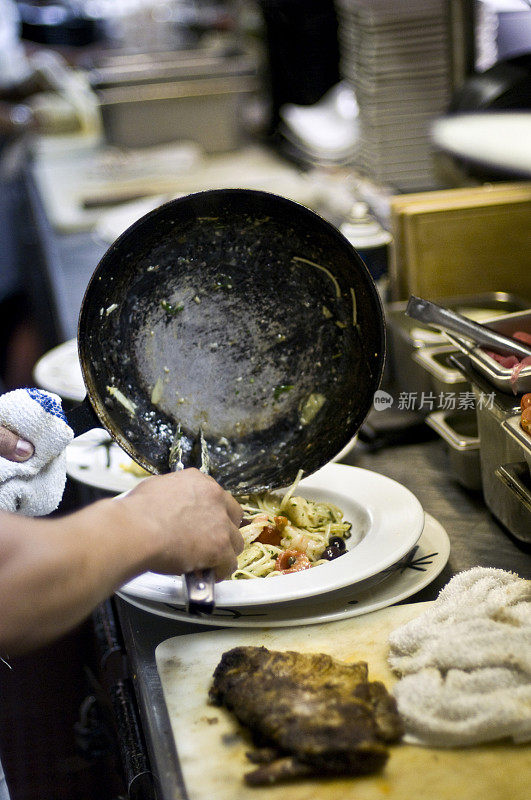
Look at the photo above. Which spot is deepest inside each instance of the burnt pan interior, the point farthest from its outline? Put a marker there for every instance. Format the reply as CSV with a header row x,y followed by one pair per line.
x,y
241,314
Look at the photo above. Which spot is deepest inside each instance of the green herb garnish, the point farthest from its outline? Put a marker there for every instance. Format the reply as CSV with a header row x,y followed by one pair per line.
x,y
171,309
224,282
281,389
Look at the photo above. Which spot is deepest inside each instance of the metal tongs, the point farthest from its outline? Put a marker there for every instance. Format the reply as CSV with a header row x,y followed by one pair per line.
x,y
200,584
450,321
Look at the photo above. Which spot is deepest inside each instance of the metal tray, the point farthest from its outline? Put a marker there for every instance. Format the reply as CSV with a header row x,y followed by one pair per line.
x,y
407,336
444,378
505,475
499,376
459,429
514,429
208,111
184,65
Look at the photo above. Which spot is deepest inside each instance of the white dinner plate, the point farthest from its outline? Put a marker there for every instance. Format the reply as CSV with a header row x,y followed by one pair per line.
x,y
416,570
58,371
387,521
95,460
500,139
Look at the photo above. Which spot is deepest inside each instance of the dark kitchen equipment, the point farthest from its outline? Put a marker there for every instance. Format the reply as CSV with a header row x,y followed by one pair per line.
x,y
239,314
57,23
507,84
301,37
442,318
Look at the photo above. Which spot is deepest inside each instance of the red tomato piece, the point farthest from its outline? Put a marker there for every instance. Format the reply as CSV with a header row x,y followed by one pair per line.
x,y
270,535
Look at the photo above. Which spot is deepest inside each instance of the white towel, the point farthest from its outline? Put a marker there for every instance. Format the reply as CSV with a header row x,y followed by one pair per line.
x,y
466,662
34,487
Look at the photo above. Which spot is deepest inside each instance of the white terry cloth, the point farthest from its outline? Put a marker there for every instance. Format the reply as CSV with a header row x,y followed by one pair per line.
x,y
466,662
34,487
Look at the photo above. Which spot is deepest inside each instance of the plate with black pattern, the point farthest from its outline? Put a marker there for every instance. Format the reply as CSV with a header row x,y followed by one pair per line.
x,y
409,575
387,521
97,461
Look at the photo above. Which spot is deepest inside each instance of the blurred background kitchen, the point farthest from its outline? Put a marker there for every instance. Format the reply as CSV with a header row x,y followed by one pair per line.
x,y
112,106
406,123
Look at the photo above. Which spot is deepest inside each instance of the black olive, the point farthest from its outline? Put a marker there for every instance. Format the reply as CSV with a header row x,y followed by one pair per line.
x,y
331,552
337,541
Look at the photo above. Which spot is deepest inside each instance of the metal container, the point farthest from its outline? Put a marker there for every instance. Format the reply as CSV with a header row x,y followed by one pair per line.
x,y
504,472
142,68
208,112
498,376
459,429
408,337
514,429
193,96
443,377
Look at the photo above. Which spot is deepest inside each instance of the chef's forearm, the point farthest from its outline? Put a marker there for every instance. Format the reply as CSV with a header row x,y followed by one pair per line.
x,y
54,572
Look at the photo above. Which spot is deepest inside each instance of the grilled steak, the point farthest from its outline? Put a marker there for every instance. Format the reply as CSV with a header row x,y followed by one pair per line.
x,y
310,714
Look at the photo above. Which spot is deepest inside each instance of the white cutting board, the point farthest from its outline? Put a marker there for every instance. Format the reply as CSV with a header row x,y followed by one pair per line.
x,y
212,746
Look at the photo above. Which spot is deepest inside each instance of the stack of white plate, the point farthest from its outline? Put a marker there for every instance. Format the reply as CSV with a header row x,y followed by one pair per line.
x,y
396,55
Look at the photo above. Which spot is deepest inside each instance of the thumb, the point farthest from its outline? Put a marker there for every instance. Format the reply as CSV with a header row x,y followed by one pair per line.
x,y
13,447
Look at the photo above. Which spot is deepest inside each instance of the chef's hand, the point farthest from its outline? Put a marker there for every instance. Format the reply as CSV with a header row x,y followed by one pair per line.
x,y
13,447
171,523
190,520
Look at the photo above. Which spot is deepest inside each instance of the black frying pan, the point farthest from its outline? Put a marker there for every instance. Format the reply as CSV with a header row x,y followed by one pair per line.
x,y
238,313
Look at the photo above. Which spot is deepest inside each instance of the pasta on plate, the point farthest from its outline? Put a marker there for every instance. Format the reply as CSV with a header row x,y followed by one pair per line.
x,y
288,534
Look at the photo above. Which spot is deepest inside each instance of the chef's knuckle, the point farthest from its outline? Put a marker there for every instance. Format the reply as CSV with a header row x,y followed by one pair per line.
x,y
216,492
224,539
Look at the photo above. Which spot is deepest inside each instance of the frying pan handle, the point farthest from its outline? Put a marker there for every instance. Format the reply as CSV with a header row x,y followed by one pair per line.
x,y
82,418
200,591
200,584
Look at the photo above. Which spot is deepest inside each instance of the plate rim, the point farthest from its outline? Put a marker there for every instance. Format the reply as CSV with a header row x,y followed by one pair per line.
x,y
66,388
507,126
301,585
419,581
120,483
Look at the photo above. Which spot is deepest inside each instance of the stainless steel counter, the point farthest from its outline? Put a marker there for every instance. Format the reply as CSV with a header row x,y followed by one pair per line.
x,y
477,539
